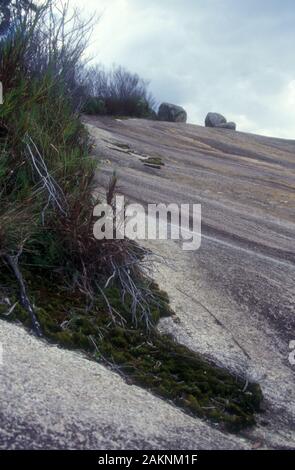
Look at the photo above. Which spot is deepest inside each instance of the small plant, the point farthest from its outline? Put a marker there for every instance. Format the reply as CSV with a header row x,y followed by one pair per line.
x,y
156,161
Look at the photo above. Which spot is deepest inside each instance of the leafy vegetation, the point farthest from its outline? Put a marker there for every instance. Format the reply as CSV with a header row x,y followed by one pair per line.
x,y
118,92
46,199
155,162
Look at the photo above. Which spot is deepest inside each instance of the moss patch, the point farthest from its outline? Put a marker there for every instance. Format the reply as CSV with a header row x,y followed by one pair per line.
x,y
153,161
122,146
148,359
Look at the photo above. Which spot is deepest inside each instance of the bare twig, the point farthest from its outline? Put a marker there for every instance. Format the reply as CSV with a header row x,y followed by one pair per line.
x,y
111,309
12,261
11,309
55,193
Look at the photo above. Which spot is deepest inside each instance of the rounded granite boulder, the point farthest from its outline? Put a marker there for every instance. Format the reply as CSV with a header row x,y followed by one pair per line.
x,y
172,113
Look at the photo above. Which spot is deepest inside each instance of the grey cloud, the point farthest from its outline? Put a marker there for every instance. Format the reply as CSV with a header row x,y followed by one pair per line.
x,y
225,55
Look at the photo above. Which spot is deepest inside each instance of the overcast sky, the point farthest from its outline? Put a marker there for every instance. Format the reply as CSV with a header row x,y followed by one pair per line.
x,y
236,57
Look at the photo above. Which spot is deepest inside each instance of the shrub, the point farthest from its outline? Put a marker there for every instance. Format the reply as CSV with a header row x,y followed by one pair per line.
x,y
94,106
46,174
117,92
45,40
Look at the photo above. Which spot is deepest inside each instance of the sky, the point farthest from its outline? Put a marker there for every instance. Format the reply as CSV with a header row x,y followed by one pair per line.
x,y
235,57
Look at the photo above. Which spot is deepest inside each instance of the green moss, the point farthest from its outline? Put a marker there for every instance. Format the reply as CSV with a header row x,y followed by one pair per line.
x,y
149,359
153,161
122,145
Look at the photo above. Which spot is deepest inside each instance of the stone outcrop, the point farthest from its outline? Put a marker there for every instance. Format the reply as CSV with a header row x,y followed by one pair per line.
x,y
228,125
172,113
218,120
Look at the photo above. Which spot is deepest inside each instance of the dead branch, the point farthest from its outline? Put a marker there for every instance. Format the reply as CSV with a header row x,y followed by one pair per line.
x,y
111,309
12,261
54,191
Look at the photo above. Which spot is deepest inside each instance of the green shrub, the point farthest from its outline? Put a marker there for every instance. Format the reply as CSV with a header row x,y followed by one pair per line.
x,y
117,92
46,174
95,106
